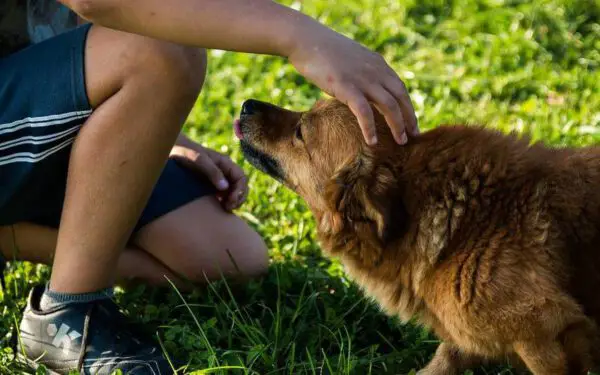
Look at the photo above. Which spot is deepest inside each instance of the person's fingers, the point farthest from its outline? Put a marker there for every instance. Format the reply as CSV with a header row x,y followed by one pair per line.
x,y
239,198
207,166
397,88
237,179
359,105
243,196
390,109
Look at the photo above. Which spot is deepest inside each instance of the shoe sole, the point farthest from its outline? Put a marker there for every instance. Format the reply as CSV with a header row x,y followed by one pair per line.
x,y
34,365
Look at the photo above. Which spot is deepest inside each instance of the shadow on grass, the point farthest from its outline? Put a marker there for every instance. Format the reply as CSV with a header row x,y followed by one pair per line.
x,y
295,320
300,318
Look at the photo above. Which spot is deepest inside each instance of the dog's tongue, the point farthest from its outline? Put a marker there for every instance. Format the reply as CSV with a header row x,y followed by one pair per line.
x,y
237,129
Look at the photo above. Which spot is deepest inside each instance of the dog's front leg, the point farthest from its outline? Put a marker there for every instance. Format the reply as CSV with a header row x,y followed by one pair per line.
x,y
450,360
543,358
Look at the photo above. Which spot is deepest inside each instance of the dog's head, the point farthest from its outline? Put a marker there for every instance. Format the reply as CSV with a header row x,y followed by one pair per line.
x,y
321,155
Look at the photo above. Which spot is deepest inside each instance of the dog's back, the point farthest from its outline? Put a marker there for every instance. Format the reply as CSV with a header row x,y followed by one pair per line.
x,y
527,180
507,223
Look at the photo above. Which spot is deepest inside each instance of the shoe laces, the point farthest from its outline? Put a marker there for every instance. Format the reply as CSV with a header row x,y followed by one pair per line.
x,y
130,335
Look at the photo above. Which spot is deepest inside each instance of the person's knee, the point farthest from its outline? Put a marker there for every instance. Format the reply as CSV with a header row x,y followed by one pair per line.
x,y
180,69
201,241
191,63
241,255
249,255
115,59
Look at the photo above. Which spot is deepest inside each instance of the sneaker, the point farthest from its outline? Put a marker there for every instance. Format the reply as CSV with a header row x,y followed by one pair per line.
x,y
92,338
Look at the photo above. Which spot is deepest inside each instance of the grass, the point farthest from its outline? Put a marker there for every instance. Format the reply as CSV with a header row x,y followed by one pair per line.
x,y
529,66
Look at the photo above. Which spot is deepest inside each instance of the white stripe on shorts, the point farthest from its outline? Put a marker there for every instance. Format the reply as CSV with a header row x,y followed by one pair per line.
x,y
45,139
44,121
28,157
38,140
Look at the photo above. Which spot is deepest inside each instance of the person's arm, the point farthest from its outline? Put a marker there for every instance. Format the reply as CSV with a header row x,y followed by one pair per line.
x,y
338,65
253,26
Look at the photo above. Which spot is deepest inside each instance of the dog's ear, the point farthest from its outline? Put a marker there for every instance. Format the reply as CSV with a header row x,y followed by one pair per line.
x,y
364,196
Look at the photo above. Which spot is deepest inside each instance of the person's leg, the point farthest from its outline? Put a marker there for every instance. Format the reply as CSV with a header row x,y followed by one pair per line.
x,y
185,245
36,244
142,91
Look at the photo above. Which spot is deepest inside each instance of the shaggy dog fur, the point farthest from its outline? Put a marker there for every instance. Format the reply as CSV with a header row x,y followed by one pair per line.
x,y
491,241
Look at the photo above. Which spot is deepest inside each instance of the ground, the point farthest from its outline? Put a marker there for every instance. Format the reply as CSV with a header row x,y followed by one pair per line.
x,y
528,66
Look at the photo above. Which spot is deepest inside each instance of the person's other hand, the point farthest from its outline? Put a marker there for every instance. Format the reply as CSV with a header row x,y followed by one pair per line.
x,y
225,175
356,76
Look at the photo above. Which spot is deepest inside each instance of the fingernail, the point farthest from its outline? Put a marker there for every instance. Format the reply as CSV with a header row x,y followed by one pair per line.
x,y
403,139
373,140
416,131
222,184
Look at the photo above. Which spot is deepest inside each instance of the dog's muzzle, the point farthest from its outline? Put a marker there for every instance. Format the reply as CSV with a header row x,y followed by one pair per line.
x,y
262,161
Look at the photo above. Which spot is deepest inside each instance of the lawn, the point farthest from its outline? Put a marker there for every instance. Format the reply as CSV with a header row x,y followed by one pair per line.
x,y
526,66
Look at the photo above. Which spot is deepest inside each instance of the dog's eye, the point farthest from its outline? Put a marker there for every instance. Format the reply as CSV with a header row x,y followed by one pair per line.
x,y
299,133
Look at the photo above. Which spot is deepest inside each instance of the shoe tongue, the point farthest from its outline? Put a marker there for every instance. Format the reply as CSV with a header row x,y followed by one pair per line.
x,y
112,313
122,323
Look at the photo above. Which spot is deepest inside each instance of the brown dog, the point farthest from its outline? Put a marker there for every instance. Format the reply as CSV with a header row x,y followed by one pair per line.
x,y
492,242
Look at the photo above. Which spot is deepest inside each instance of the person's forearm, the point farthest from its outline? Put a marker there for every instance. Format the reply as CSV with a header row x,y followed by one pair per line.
x,y
253,26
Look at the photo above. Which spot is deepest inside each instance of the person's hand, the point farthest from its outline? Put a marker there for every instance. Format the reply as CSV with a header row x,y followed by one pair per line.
x,y
356,76
225,175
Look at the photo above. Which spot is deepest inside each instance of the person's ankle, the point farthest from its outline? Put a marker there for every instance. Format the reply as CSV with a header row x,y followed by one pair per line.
x,y
53,299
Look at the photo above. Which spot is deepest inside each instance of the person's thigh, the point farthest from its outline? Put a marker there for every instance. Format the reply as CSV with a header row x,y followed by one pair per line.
x,y
43,105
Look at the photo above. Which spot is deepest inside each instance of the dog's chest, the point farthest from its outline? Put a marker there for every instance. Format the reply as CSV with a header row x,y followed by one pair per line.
x,y
400,299
393,297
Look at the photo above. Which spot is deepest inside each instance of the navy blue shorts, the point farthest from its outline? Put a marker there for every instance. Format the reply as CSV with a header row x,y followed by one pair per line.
x,y
43,104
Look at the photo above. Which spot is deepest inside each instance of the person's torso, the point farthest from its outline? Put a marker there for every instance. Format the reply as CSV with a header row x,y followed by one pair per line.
x,y
23,22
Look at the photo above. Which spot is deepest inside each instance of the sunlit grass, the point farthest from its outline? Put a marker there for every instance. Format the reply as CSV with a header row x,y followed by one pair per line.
x,y
529,66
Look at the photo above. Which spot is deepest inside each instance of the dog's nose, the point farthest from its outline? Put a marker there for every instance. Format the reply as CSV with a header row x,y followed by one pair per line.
x,y
250,107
